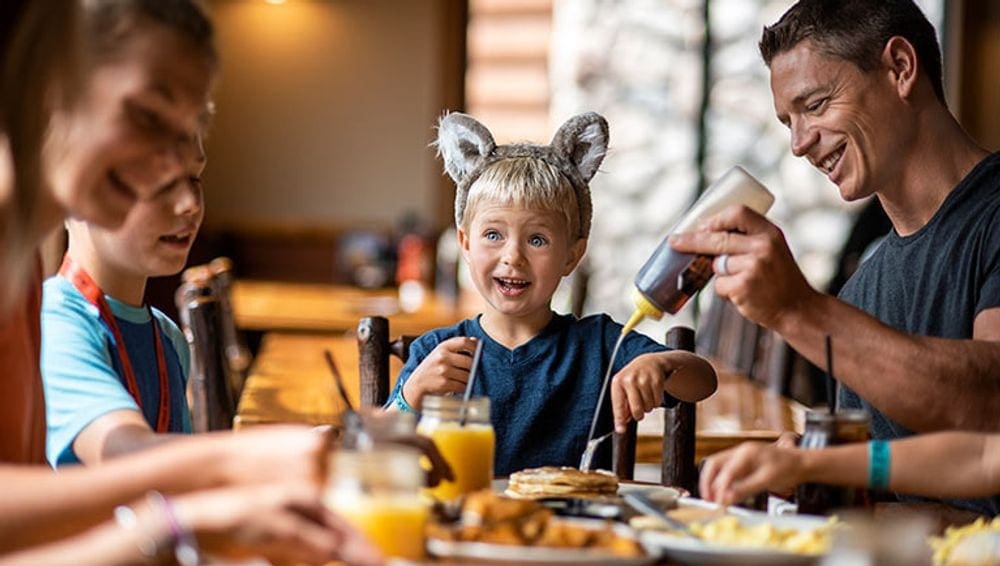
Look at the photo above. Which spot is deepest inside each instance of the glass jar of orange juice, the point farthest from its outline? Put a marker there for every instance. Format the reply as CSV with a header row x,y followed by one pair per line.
x,y
378,491
468,447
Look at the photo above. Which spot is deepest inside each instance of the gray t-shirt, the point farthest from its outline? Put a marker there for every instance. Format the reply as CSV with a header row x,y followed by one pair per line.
x,y
935,281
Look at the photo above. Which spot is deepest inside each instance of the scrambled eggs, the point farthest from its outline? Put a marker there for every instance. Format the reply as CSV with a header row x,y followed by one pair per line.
x,y
729,530
949,548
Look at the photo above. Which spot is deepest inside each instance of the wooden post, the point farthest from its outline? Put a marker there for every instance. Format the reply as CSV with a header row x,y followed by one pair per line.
x,y
679,428
623,452
212,405
373,360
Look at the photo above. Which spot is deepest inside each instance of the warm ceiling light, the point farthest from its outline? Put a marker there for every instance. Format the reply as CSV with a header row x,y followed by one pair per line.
x,y
275,2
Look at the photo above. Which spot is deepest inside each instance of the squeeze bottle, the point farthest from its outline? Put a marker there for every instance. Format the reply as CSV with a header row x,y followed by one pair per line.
x,y
669,278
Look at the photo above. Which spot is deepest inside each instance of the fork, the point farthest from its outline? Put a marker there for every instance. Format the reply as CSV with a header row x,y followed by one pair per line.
x,y
588,453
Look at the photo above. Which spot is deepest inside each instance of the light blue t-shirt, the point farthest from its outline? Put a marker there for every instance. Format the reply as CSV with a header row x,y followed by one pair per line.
x,y
82,374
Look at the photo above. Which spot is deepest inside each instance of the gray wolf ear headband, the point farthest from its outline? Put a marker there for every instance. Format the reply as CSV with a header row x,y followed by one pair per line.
x,y
577,150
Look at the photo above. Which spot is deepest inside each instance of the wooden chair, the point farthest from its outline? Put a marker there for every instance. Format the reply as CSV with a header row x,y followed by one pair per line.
x,y
212,403
374,349
678,468
745,347
237,354
677,462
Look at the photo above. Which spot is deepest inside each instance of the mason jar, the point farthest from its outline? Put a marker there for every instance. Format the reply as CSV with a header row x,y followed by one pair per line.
x,y
378,491
467,443
825,429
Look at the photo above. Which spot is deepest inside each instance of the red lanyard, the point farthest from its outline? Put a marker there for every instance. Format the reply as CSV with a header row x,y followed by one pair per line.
x,y
89,289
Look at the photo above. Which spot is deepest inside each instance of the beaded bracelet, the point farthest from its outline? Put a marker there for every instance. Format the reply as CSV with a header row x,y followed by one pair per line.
x,y
149,546
185,545
878,464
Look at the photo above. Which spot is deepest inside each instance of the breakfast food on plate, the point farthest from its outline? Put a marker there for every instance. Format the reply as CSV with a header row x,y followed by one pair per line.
x,y
712,525
975,543
552,481
687,515
730,531
492,518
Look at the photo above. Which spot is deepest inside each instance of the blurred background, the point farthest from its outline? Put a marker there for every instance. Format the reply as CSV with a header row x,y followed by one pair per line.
x,y
320,159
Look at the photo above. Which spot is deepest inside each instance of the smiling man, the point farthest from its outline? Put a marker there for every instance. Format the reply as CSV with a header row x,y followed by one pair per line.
x,y
916,331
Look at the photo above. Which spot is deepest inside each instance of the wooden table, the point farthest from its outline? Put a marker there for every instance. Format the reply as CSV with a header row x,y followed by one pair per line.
x,y
310,307
289,382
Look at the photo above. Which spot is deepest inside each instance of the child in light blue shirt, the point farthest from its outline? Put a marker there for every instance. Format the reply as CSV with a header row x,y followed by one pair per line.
x,y
115,369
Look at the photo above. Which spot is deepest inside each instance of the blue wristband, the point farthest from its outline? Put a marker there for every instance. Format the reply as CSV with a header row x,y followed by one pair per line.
x,y
400,403
878,464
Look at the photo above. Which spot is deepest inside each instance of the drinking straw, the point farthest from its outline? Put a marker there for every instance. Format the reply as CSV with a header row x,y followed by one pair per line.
x,y
338,380
831,389
462,411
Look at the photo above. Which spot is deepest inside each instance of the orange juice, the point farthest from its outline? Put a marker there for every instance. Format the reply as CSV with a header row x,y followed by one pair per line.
x,y
378,491
465,439
394,525
468,450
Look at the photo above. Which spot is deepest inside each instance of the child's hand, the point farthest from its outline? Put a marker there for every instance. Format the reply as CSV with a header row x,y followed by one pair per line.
x,y
444,370
638,389
735,474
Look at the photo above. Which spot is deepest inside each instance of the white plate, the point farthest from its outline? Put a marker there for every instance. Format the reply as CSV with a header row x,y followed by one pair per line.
x,y
549,556
694,551
661,494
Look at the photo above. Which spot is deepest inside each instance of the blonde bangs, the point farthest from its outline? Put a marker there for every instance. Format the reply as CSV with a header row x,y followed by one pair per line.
x,y
525,182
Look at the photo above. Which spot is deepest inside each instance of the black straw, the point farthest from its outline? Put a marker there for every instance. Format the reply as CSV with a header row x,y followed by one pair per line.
x,y
338,379
831,389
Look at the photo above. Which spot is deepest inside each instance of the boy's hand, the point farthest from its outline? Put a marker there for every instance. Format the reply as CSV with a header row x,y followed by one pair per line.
x,y
638,389
444,370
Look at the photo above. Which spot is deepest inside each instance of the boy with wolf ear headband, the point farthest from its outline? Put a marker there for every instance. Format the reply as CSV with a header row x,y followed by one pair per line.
x,y
523,213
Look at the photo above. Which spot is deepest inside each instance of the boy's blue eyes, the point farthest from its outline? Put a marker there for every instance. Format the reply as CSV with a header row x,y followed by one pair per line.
x,y
494,236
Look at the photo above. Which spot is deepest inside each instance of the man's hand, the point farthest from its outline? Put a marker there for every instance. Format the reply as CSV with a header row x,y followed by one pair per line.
x,y
752,467
444,370
761,278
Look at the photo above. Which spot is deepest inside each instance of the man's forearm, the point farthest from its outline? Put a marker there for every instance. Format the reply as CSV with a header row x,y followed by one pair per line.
x,y
926,384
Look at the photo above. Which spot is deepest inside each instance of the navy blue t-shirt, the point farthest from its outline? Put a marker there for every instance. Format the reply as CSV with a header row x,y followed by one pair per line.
x,y
543,393
935,282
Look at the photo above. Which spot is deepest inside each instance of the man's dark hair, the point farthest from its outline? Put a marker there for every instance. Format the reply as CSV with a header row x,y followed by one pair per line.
x,y
856,31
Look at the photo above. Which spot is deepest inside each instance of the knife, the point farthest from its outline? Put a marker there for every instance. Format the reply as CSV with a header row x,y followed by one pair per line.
x,y
645,506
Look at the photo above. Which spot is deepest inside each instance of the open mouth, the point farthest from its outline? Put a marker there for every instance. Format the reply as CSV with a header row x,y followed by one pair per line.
x,y
828,164
177,239
510,286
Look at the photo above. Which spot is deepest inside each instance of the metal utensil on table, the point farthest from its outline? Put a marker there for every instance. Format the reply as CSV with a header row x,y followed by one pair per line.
x,y
584,507
587,459
646,506
352,420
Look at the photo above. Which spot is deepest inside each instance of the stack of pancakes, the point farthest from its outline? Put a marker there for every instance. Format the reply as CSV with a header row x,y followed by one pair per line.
x,y
551,481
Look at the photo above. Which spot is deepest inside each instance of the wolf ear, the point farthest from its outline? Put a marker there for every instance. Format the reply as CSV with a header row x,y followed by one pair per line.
x,y
583,140
463,143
